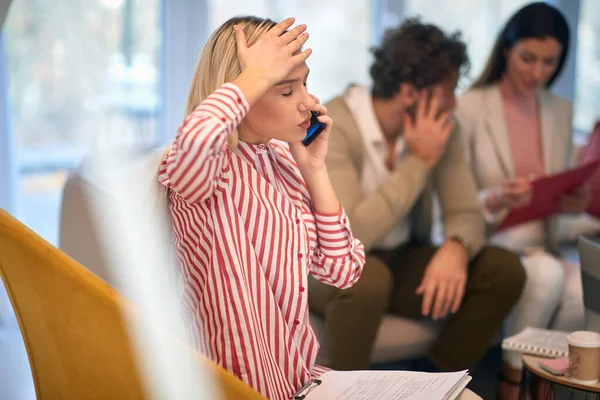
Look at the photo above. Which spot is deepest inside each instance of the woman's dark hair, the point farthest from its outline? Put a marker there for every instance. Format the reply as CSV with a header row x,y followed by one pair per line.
x,y
416,53
535,20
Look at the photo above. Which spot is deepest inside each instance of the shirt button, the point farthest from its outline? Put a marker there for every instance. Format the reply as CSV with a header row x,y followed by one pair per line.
x,y
297,220
239,100
299,255
223,120
301,289
296,322
344,221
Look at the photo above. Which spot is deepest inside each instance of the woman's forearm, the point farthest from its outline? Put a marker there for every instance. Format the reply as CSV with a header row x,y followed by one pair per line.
x,y
321,191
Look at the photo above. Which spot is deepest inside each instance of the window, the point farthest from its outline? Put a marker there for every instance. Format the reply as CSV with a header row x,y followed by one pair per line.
x,y
82,75
340,36
86,75
587,82
479,21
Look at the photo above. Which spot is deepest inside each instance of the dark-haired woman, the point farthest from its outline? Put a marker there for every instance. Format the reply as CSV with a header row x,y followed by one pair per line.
x,y
515,129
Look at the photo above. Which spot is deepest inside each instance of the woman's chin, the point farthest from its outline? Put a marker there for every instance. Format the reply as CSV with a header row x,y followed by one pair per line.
x,y
293,138
301,136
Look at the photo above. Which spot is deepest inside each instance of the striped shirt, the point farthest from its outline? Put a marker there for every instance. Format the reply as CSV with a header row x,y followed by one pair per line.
x,y
246,237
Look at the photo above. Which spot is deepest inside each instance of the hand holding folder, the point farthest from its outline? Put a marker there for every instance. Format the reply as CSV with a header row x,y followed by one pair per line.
x,y
547,192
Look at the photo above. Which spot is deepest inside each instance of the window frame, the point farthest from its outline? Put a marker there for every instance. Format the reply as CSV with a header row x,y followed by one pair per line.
x,y
9,188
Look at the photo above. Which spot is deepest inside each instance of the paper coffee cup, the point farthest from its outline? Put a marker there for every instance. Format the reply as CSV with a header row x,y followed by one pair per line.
x,y
584,357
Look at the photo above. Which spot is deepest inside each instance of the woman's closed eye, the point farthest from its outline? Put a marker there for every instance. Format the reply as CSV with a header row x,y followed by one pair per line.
x,y
288,94
528,58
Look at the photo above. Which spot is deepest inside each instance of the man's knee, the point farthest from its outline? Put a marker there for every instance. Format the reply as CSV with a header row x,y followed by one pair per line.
x,y
503,272
372,290
373,287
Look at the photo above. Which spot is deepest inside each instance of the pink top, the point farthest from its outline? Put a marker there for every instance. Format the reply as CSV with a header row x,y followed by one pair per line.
x,y
524,131
246,237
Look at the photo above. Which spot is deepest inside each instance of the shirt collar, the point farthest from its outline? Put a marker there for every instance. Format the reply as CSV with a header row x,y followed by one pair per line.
x,y
249,151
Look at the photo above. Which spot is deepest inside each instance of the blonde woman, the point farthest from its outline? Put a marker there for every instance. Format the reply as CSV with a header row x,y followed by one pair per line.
x,y
251,216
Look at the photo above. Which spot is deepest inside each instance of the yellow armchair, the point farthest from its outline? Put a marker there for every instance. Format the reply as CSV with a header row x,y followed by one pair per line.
x,y
73,325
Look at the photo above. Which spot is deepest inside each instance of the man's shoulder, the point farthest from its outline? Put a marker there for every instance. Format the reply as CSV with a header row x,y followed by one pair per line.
x,y
345,138
338,102
344,120
338,106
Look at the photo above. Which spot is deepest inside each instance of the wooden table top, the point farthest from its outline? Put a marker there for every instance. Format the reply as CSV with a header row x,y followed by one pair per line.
x,y
532,363
468,395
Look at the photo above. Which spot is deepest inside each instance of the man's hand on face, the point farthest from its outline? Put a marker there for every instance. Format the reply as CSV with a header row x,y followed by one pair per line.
x,y
427,133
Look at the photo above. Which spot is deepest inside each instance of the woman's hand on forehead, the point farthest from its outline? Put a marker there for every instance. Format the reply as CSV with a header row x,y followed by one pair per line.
x,y
276,53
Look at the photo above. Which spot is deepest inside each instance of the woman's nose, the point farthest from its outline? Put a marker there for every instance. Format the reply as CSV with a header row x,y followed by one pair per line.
x,y
539,72
307,103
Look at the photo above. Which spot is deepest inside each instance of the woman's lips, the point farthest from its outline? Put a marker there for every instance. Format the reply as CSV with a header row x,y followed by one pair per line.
x,y
305,125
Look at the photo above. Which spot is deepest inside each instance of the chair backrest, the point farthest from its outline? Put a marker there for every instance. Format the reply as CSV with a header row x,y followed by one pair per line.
x,y
102,180
589,255
74,328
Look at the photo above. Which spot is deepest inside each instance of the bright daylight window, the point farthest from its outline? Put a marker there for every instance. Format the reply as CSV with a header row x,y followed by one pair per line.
x,y
82,75
587,81
478,20
340,36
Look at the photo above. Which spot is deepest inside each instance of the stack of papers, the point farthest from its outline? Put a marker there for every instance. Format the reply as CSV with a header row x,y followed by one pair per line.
x,y
387,385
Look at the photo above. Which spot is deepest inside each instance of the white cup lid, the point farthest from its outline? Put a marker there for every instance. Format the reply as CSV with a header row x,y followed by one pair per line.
x,y
584,339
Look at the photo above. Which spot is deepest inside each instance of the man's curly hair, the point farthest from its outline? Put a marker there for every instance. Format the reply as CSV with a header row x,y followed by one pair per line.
x,y
416,53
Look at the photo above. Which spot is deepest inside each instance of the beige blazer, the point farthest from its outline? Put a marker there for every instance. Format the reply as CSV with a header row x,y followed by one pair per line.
x,y
407,192
480,116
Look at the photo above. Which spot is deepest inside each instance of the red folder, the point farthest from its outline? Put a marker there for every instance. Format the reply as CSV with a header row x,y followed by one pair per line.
x,y
589,153
546,194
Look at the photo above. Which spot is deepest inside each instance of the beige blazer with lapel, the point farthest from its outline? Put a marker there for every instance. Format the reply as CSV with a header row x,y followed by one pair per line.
x,y
480,115
408,191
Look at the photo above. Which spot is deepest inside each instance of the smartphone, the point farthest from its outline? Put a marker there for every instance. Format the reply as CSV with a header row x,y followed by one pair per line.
x,y
315,128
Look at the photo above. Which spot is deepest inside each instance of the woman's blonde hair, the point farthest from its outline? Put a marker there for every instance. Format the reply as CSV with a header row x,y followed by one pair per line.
x,y
218,62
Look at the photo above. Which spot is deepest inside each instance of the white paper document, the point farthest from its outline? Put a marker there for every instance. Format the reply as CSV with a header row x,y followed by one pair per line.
x,y
388,385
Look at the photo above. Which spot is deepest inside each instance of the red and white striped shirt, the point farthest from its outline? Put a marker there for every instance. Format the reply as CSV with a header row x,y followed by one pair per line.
x,y
246,237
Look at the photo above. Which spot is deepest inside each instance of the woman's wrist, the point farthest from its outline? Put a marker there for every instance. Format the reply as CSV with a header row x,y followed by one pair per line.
x,y
253,84
321,191
494,200
315,179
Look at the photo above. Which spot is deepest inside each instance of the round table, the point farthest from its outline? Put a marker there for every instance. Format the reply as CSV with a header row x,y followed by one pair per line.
x,y
532,366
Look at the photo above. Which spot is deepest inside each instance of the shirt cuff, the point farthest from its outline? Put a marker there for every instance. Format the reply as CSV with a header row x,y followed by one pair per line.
x,y
329,217
491,217
333,231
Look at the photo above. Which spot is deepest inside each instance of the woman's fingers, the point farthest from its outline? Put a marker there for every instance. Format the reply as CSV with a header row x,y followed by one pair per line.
x,y
281,27
292,34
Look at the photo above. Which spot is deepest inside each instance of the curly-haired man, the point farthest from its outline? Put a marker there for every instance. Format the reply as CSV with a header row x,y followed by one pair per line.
x,y
392,147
